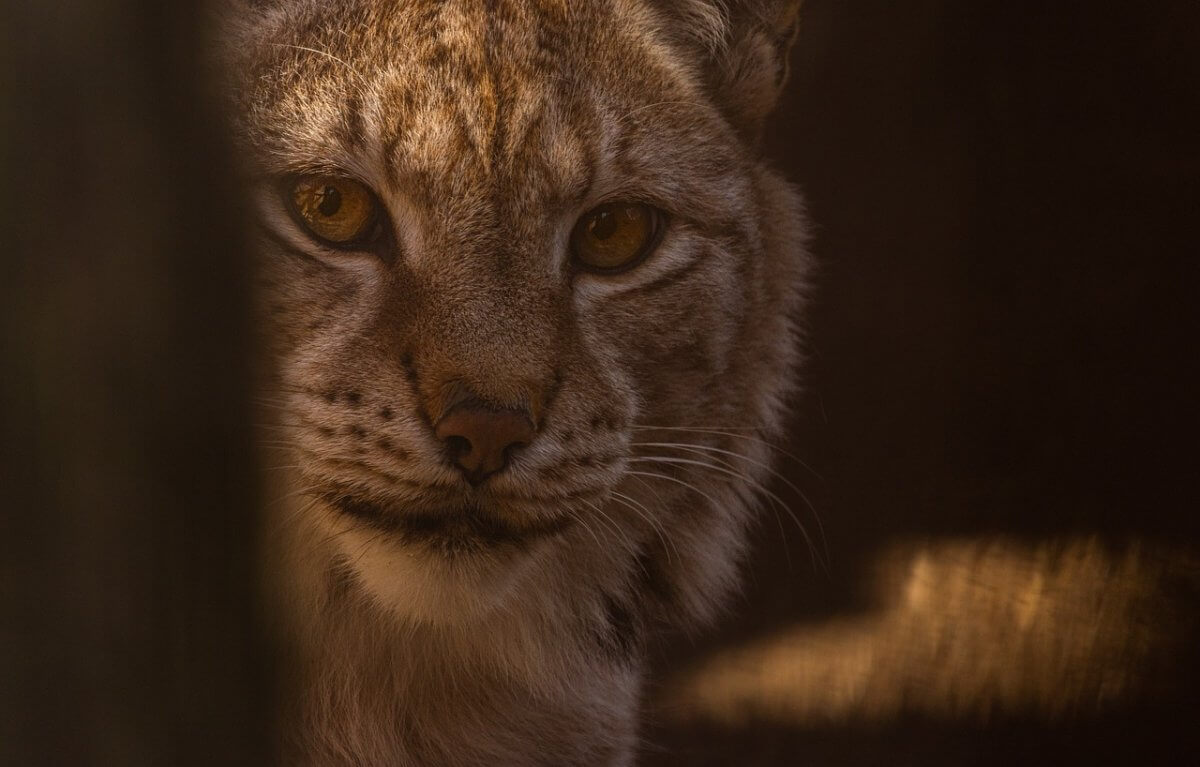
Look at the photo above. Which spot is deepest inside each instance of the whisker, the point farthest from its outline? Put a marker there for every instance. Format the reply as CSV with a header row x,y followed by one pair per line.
x,y
347,524
758,486
366,545
277,426
648,427
629,545
677,481
266,399
695,449
701,449
718,430
583,523
668,546
287,496
281,387
301,512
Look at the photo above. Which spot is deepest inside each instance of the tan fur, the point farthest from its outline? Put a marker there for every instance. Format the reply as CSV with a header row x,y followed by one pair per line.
x,y
486,129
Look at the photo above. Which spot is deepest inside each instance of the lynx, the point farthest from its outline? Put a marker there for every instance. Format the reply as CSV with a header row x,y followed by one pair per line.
x,y
530,293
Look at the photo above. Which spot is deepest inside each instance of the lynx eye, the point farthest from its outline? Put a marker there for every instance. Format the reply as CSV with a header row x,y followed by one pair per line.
x,y
616,236
337,211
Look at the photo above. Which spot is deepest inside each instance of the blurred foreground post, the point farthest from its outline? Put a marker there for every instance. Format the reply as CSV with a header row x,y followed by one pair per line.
x,y
127,631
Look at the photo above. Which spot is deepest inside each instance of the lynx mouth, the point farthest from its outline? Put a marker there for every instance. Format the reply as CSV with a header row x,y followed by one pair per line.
x,y
469,525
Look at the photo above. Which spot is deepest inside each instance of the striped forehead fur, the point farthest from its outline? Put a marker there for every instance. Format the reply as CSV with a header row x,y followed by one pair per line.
x,y
485,130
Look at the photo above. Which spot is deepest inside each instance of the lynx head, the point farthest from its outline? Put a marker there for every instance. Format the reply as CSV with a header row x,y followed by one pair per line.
x,y
529,290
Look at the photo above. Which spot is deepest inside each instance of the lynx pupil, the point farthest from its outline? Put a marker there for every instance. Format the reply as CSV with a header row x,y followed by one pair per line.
x,y
331,201
603,225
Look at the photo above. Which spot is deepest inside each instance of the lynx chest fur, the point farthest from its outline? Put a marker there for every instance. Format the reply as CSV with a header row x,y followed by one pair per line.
x,y
529,293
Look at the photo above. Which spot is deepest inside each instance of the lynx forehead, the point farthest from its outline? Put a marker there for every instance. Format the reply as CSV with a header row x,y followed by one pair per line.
x,y
529,293
460,99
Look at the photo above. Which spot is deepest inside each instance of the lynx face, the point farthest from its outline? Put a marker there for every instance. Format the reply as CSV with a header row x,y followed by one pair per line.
x,y
528,290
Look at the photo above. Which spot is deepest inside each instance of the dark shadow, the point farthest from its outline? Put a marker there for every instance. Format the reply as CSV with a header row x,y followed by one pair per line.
x,y
128,529
1003,198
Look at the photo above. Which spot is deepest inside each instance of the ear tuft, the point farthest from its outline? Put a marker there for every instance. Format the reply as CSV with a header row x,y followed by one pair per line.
x,y
744,45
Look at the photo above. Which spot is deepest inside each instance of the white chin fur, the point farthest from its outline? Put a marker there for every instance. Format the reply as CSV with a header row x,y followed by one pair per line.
x,y
424,586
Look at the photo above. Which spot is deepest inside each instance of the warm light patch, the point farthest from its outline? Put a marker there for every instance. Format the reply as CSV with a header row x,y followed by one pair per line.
x,y
965,630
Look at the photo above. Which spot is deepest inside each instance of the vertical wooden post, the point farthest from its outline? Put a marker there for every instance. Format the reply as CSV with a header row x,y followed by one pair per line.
x,y
127,605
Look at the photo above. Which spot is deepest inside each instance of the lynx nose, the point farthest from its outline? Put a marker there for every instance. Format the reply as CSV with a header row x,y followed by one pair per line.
x,y
478,438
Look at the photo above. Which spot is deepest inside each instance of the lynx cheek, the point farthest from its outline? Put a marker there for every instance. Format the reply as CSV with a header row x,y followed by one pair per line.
x,y
616,236
510,256
336,211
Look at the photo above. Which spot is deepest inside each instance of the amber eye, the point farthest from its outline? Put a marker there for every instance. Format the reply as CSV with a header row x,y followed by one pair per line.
x,y
616,236
336,210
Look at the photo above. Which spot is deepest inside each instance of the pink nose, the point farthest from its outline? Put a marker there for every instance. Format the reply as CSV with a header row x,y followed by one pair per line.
x,y
478,439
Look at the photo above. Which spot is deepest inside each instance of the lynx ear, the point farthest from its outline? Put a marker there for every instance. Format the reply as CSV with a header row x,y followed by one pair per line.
x,y
744,46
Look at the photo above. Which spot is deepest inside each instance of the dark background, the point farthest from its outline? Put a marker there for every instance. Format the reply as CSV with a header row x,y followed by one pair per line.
x,y
127,477
1004,199
1003,336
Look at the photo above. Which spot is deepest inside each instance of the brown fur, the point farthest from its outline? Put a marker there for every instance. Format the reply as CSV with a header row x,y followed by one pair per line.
x,y
486,130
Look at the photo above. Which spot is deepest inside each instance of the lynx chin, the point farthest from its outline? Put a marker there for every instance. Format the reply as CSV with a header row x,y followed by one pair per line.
x,y
530,294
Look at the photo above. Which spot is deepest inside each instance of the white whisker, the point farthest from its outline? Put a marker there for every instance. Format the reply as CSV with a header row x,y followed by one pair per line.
x,y
758,487
724,431
629,545
702,449
583,522
646,514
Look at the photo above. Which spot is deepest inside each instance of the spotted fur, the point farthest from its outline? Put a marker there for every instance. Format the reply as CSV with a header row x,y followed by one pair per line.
x,y
429,622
